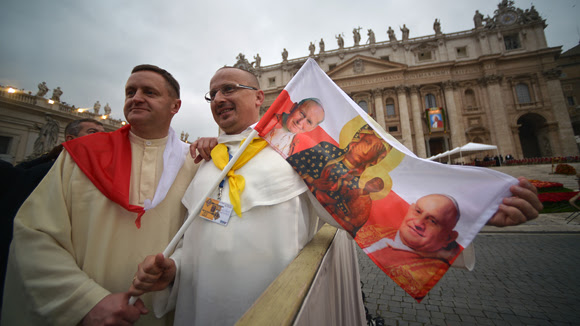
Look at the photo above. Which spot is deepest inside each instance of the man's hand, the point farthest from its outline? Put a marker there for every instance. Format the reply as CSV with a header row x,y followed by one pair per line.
x,y
523,206
114,309
203,146
155,273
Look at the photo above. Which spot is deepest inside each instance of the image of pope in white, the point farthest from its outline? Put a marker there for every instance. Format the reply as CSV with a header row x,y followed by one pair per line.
x,y
303,117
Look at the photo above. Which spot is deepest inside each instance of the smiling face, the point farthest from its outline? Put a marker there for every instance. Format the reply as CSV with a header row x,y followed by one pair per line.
x,y
235,112
305,118
428,225
149,104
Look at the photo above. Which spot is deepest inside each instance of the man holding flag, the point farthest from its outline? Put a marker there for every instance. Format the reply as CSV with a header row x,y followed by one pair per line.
x,y
109,200
219,269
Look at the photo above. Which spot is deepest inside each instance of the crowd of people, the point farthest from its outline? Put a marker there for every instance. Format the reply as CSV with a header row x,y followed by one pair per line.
x,y
91,234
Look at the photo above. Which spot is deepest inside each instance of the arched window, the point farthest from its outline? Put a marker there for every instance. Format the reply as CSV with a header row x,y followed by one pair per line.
x,y
390,107
469,99
523,93
430,101
364,106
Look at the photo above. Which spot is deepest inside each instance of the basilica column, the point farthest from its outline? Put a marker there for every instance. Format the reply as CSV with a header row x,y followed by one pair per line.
x,y
379,107
404,117
499,118
566,133
418,126
456,127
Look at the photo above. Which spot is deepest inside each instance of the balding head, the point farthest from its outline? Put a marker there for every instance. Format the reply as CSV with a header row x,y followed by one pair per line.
x,y
428,225
239,107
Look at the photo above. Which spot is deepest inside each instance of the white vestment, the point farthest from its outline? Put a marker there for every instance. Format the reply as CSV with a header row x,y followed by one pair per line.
x,y
73,246
281,139
222,270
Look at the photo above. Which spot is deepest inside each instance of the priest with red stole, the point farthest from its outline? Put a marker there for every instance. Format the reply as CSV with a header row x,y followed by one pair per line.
x,y
109,200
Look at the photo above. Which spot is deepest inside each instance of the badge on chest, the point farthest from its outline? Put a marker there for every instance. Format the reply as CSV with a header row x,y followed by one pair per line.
x,y
216,211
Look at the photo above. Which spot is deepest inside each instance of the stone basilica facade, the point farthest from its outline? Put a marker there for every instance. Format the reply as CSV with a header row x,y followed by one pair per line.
x,y
498,83
31,124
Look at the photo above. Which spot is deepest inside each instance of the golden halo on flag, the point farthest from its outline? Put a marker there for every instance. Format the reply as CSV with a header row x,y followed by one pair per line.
x,y
349,130
387,184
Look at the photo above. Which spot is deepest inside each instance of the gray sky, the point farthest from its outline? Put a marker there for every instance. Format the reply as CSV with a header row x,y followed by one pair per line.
x,y
88,48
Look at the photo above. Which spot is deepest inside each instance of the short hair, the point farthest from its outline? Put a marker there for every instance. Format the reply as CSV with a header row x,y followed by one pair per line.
x,y
251,77
74,127
171,81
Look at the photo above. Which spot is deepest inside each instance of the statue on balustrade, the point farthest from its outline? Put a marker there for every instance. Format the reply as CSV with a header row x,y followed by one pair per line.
x,y
42,89
56,93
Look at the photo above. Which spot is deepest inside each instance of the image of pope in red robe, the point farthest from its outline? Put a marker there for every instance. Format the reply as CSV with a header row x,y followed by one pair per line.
x,y
420,251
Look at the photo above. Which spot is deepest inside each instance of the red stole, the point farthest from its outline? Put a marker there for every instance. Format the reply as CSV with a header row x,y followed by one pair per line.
x,y
105,158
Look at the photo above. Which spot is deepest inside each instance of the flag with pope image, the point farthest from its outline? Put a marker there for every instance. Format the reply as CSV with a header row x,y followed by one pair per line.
x,y
414,218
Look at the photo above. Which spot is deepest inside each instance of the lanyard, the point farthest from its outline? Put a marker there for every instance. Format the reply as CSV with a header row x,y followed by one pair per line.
x,y
221,186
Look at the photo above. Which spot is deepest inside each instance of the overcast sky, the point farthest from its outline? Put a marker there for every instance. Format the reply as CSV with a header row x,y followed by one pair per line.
x,y
88,48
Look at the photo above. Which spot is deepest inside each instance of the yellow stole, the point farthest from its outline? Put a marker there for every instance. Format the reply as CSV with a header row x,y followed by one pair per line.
x,y
237,183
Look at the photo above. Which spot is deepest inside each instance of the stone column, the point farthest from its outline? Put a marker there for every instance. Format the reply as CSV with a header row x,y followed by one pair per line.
x,y
455,122
519,153
379,107
498,114
552,134
404,117
566,133
418,126
483,43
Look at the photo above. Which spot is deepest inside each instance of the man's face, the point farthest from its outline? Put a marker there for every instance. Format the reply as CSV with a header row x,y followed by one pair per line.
x,y
428,225
364,151
235,112
149,104
305,118
88,128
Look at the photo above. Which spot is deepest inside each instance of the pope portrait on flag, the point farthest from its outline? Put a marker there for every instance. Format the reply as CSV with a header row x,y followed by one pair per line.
x,y
411,216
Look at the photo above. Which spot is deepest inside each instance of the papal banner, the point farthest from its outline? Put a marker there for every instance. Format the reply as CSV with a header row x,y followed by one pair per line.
x,y
411,216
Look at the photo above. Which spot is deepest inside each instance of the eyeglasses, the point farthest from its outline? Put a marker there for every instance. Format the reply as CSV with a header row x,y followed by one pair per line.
x,y
226,90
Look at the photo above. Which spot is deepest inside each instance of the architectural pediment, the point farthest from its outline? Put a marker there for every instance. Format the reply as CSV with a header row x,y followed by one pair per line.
x,y
425,46
360,65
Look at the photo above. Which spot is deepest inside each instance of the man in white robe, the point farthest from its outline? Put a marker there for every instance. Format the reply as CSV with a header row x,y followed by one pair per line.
x,y
222,270
104,206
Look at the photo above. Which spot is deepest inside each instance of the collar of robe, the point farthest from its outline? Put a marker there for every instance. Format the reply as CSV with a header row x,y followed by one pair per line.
x,y
105,158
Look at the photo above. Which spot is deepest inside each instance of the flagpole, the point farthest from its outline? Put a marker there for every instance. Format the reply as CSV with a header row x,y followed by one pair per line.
x,y
193,213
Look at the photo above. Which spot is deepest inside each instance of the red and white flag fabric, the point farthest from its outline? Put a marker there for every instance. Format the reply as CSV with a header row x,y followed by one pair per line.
x,y
411,216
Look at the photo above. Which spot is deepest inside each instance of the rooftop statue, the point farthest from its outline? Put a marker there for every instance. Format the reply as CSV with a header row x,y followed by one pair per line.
x,y
356,36
392,36
42,89
340,41
371,35
405,32
56,93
